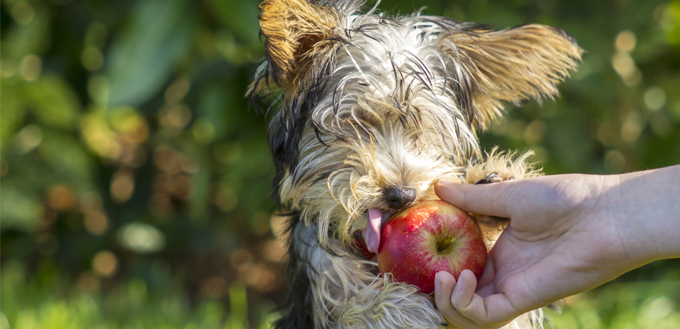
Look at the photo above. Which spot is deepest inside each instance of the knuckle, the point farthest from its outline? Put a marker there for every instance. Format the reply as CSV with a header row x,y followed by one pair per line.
x,y
464,307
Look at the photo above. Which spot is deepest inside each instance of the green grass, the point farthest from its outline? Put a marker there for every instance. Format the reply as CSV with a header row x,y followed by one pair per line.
x,y
634,305
49,300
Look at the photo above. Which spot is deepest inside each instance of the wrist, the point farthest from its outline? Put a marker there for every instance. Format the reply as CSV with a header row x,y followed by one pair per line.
x,y
645,209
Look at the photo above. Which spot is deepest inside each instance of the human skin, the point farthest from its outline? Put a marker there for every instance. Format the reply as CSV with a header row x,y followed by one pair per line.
x,y
567,234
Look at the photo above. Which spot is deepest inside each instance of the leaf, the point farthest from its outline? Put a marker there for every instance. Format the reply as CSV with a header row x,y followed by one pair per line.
x,y
68,161
145,53
240,17
19,209
11,111
212,105
49,99
52,101
33,38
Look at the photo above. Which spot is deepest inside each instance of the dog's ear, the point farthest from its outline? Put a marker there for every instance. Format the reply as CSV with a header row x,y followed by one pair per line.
x,y
292,30
512,65
295,32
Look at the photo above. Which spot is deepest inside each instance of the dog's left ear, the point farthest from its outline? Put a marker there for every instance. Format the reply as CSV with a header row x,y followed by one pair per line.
x,y
512,65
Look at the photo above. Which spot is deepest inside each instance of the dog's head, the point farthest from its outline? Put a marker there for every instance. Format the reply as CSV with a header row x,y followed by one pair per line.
x,y
369,111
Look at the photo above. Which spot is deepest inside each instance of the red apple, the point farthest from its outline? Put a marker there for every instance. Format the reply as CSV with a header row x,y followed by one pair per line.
x,y
429,237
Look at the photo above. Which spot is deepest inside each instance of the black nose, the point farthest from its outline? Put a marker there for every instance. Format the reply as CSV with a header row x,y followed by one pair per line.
x,y
399,197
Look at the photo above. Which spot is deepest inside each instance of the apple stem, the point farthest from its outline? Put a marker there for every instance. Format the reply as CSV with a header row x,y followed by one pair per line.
x,y
445,246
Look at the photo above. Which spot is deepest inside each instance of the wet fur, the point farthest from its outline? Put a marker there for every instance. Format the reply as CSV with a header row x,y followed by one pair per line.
x,y
363,102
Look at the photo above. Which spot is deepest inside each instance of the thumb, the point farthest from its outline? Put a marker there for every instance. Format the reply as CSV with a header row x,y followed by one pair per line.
x,y
487,199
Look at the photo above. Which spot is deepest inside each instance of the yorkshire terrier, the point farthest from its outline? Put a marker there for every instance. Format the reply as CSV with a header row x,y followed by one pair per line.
x,y
367,112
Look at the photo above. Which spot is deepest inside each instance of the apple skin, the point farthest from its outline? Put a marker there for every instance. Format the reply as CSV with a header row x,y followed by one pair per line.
x,y
429,237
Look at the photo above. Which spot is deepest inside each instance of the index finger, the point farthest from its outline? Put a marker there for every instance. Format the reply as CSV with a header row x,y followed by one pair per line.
x,y
487,199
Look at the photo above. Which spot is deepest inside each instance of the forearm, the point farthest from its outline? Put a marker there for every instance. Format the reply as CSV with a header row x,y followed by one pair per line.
x,y
647,206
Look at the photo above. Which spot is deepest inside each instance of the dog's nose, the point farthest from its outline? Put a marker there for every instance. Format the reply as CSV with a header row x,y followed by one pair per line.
x,y
399,197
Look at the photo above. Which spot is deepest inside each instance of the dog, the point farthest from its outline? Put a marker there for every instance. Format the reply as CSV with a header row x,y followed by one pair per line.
x,y
367,112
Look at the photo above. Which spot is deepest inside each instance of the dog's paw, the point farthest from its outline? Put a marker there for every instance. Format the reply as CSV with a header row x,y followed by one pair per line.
x,y
493,177
495,168
499,167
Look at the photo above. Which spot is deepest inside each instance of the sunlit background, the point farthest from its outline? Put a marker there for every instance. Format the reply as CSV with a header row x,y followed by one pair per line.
x,y
135,182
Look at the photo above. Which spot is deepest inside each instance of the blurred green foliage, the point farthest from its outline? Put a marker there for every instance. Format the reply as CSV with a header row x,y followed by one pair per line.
x,y
135,182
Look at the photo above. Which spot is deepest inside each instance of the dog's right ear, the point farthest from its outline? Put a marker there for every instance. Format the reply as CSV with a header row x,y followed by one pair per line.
x,y
293,31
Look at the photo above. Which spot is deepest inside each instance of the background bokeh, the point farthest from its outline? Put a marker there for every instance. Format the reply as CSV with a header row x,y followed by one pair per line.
x,y
135,181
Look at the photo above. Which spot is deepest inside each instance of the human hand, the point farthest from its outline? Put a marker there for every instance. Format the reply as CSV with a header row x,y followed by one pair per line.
x,y
567,234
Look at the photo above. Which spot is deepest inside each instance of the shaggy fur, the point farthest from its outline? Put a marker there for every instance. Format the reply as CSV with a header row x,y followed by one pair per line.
x,y
361,103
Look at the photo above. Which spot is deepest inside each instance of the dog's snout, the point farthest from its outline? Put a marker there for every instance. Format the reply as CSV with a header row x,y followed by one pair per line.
x,y
399,197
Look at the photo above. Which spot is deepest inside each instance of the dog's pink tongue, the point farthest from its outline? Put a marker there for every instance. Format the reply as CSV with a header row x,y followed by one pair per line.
x,y
372,231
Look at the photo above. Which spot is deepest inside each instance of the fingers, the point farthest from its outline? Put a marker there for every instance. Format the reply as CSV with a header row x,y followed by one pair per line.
x,y
443,287
445,284
491,199
488,274
465,301
463,308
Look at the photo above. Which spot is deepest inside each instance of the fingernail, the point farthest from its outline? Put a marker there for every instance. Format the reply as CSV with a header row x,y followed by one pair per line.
x,y
437,284
443,182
